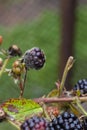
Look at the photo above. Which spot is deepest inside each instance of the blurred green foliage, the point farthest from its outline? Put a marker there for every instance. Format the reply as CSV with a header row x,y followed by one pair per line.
x,y
44,33
80,47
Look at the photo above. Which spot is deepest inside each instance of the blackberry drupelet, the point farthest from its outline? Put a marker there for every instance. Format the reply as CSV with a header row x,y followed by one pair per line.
x,y
81,86
65,121
35,123
34,58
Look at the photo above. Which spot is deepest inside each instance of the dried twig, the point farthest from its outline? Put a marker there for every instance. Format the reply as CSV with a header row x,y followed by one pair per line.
x,y
68,66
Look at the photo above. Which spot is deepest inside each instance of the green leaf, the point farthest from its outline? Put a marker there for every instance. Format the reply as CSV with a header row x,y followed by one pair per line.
x,y
19,109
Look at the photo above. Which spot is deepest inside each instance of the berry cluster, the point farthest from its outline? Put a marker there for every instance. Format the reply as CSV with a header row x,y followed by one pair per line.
x,y
34,123
81,86
34,58
65,121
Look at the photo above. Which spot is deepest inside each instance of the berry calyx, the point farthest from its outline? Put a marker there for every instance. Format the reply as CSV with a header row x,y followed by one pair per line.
x,y
14,50
17,68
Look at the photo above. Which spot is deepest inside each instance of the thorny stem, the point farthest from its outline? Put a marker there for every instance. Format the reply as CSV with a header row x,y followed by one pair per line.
x,y
68,66
25,76
55,99
21,87
45,112
22,84
4,65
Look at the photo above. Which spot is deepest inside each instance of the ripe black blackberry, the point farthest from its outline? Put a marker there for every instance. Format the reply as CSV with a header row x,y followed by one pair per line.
x,y
65,121
34,58
35,123
81,86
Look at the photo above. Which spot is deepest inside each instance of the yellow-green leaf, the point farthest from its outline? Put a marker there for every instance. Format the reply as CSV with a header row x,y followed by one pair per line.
x,y
19,109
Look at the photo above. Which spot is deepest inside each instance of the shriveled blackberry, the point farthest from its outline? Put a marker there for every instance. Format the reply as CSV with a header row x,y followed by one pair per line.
x,y
81,86
14,50
34,123
34,58
65,121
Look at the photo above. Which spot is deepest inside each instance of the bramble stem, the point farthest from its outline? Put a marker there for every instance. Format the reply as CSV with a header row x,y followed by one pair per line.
x,y
45,112
55,100
68,66
25,76
4,65
22,84
21,87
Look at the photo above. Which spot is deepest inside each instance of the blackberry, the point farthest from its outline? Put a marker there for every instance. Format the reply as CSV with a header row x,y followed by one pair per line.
x,y
81,86
34,123
65,121
34,58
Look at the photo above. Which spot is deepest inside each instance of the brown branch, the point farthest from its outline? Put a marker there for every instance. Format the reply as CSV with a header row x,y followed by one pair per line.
x,y
55,100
